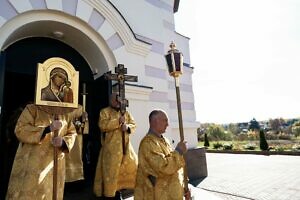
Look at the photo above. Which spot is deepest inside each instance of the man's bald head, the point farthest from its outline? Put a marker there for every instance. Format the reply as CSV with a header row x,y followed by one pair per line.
x,y
158,121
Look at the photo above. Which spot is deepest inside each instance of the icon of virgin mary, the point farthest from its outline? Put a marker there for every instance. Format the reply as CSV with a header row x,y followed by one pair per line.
x,y
59,87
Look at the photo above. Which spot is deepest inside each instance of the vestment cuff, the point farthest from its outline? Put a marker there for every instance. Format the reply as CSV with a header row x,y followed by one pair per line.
x,y
46,130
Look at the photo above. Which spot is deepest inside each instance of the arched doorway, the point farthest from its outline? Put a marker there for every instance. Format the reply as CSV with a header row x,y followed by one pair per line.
x,y
18,78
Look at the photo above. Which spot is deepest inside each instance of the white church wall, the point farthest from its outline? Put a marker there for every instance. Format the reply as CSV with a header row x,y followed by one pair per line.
x,y
143,98
185,78
160,31
147,12
152,22
2,21
189,136
56,4
182,43
185,96
83,10
106,30
155,60
139,108
133,62
21,6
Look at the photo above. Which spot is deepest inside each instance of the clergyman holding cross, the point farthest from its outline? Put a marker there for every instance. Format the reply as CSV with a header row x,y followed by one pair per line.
x,y
115,170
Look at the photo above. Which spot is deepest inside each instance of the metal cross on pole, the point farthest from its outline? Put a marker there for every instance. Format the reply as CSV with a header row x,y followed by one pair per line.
x,y
121,77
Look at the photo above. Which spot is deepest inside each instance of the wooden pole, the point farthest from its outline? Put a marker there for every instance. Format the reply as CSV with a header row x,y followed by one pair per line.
x,y
186,181
55,165
179,109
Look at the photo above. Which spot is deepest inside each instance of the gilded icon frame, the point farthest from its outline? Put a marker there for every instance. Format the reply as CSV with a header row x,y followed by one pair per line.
x,y
46,72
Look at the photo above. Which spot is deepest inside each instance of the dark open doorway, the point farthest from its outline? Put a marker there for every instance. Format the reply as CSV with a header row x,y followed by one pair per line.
x,y
18,78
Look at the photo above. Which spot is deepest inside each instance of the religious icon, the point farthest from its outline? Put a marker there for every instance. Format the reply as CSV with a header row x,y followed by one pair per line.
x,y
59,87
57,84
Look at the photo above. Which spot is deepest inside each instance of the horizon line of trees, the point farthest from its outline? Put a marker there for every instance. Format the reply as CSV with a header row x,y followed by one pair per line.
x,y
278,128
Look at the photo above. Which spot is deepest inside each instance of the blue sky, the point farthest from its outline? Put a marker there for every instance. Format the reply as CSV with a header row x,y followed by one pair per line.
x,y
246,58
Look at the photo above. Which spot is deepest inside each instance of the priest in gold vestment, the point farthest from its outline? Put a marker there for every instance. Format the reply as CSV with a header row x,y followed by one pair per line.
x,y
74,163
160,168
32,172
115,171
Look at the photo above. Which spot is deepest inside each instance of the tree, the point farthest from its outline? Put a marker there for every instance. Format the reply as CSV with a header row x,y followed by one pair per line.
x,y
201,130
276,124
263,144
234,128
254,125
217,132
296,128
206,142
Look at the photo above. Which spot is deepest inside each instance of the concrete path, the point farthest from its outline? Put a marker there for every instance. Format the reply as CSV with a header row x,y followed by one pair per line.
x,y
239,177
198,194
242,177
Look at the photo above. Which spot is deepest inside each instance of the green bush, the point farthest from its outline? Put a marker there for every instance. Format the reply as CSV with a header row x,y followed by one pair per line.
x,y
250,146
279,148
217,145
263,144
228,146
296,147
206,142
284,136
242,137
217,132
252,135
270,135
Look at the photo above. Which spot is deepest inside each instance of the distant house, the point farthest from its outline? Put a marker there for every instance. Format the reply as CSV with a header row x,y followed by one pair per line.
x,y
243,126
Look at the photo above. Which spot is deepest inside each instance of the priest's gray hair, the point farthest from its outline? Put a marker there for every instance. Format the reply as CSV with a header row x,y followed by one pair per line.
x,y
154,113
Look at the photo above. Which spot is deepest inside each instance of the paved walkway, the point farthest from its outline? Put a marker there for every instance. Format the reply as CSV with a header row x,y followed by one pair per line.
x,y
242,177
86,194
198,194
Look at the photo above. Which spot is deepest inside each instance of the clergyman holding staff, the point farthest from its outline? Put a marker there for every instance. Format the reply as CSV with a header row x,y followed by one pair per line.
x,y
45,134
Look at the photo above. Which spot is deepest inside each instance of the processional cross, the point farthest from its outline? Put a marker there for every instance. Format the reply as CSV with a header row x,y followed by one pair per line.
x,y
121,77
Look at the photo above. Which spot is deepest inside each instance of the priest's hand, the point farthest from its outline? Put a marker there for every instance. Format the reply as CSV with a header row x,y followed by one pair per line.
x,y
124,127
181,147
57,141
55,125
122,120
84,117
187,194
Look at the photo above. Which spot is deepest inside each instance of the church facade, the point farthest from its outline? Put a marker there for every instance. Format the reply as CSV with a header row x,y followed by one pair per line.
x,y
106,33
95,36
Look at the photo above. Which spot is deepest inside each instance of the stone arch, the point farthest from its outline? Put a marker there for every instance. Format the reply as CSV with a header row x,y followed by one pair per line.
x,y
97,28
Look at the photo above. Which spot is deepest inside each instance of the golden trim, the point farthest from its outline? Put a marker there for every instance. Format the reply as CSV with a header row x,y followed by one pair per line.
x,y
57,83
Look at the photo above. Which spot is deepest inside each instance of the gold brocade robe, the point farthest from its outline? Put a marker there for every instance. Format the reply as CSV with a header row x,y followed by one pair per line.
x,y
32,172
156,158
74,163
114,171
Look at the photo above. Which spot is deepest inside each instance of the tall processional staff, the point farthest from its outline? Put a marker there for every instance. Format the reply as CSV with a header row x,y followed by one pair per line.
x,y
45,133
